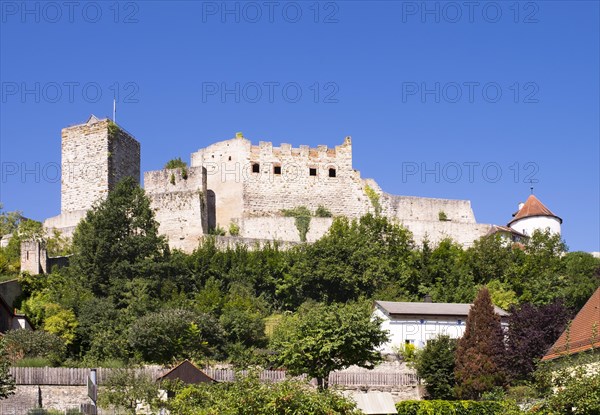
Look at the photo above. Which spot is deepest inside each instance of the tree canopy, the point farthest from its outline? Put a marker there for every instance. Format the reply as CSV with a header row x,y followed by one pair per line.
x,y
321,338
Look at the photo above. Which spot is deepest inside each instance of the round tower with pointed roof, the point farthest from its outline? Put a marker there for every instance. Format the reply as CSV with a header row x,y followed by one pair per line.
x,y
534,215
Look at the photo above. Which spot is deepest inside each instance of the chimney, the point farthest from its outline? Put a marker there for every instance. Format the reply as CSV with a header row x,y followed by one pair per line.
x,y
427,299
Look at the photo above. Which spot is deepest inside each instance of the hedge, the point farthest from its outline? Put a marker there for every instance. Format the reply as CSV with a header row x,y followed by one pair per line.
x,y
456,408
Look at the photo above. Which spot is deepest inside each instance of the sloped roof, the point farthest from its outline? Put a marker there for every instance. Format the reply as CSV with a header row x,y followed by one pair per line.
x,y
430,309
499,228
532,207
187,373
580,334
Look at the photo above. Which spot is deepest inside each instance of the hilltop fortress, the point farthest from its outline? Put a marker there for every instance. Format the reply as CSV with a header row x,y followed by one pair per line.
x,y
243,188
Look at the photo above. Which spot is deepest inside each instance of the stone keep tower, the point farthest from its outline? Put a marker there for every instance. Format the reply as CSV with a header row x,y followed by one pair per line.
x,y
96,155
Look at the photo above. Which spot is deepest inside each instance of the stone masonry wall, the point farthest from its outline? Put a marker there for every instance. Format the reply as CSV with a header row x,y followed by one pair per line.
x,y
123,157
84,177
179,205
95,156
53,397
267,193
281,228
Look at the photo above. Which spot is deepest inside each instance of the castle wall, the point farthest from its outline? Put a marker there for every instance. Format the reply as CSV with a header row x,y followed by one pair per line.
x,y
281,228
179,205
226,165
435,231
66,222
427,209
268,193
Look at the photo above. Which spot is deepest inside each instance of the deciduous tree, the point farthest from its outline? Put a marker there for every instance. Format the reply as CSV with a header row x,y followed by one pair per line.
x,y
320,338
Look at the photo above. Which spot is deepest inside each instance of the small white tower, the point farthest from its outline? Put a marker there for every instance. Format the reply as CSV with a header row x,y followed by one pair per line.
x,y
534,215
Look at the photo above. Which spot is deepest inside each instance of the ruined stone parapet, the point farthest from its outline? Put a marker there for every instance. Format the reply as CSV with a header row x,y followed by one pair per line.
x,y
427,209
178,198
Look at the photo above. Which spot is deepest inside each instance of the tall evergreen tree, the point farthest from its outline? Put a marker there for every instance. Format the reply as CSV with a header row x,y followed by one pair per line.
x,y
118,242
480,352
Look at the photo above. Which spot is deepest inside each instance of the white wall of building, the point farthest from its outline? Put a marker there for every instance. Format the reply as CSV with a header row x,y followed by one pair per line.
x,y
530,224
419,329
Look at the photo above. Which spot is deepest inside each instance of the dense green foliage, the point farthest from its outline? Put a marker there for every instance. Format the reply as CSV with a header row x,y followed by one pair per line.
x,y
250,396
7,382
123,275
319,339
456,408
125,388
435,365
25,343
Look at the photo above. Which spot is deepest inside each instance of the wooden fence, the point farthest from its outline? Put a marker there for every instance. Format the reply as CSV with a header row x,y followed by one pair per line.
x,y
78,376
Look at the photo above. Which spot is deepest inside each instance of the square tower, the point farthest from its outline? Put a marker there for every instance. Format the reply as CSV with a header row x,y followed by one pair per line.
x,y
96,155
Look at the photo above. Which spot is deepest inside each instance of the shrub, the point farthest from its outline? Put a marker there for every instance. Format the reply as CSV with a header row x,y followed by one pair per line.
x,y
323,212
234,229
442,216
31,344
435,365
406,352
248,395
177,164
456,408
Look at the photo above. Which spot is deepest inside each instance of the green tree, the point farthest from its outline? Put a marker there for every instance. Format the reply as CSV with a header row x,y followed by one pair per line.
x,y
354,259
480,352
168,335
581,271
538,278
435,365
321,338
118,241
126,388
7,382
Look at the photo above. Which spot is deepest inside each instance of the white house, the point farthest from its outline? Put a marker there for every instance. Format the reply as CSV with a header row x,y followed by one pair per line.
x,y
416,323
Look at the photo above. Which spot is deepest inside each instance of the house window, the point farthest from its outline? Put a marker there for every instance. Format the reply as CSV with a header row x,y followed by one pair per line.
x,y
255,168
459,322
312,172
277,169
422,321
409,341
332,173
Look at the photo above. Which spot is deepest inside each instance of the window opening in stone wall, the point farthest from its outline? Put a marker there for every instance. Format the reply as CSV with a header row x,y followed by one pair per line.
x,y
277,169
312,172
332,172
229,158
255,168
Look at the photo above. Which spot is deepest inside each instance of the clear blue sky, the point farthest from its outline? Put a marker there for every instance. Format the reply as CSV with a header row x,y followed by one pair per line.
x,y
366,64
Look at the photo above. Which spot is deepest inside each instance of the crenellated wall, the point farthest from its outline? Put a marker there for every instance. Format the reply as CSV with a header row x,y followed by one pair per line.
x,y
179,202
235,181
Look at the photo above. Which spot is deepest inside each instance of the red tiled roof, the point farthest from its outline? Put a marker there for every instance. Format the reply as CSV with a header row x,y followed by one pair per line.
x,y
532,207
581,335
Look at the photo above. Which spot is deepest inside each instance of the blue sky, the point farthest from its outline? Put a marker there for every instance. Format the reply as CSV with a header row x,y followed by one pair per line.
x,y
441,99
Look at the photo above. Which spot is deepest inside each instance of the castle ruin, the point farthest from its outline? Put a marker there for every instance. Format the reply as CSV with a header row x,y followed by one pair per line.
x,y
234,184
